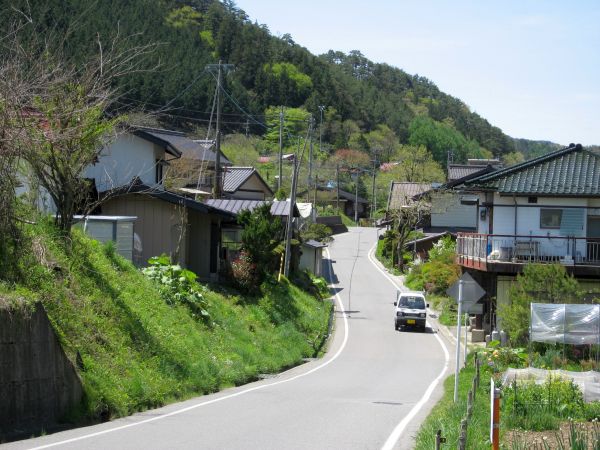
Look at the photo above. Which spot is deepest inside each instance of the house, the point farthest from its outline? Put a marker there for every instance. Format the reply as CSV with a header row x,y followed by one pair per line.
x,y
137,153
546,210
451,210
194,172
129,176
338,199
245,183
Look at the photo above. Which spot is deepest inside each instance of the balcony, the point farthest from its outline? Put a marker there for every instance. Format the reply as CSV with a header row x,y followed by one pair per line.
x,y
509,253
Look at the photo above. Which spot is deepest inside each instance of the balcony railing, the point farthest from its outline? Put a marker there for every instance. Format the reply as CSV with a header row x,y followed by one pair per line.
x,y
497,248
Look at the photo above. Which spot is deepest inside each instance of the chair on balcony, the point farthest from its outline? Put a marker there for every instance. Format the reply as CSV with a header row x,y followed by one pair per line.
x,y
527,250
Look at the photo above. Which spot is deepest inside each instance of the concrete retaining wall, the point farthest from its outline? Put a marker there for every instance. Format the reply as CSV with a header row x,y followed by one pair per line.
x,y
38,383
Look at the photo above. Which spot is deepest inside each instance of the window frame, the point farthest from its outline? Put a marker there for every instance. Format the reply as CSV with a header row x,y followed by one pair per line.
x,y
553,210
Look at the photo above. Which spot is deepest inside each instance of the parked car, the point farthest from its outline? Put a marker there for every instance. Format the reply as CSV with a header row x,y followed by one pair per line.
x,y
411,310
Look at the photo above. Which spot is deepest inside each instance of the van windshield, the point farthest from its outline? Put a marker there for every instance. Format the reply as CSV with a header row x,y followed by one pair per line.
x,y
412,302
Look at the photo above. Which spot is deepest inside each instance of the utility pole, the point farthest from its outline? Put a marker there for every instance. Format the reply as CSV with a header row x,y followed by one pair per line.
x,y
321,109
374,203
337,187
218,177
279,180
247,127
356,200
290,226
310,156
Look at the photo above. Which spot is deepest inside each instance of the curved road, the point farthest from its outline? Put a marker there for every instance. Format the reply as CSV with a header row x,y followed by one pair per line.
x,y
371,391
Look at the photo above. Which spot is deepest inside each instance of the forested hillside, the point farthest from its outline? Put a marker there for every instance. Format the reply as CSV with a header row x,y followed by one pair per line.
x,y
359,96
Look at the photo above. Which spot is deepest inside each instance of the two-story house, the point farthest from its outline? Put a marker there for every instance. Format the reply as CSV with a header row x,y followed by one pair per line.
x,y
546,210
129,175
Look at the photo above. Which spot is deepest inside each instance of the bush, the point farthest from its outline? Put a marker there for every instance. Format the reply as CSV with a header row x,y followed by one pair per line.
x,y
317,231
177,285
245,273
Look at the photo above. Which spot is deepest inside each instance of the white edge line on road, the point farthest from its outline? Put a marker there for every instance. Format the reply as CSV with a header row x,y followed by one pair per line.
x,y
395,436
226,397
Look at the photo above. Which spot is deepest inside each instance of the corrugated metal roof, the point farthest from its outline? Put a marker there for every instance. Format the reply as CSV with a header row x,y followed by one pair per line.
x,y
570,171
181,145
234,177
403,192
278,208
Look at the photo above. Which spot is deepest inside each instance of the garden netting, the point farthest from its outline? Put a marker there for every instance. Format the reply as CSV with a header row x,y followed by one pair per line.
x,y
588,382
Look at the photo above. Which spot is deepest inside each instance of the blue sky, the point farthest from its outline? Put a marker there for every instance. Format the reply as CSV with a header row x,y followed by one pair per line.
x,y
531,68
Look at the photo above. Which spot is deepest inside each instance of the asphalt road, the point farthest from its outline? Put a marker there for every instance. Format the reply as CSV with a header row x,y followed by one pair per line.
x,y
371,390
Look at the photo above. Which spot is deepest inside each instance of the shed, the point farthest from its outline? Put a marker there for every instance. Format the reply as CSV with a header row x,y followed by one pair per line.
x,y
118,229
312,256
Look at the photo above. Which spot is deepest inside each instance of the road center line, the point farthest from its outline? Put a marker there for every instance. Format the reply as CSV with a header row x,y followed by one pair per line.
x,y
226,397
399,429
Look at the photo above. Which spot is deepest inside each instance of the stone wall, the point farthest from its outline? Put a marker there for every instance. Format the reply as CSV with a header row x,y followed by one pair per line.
x,y
38,383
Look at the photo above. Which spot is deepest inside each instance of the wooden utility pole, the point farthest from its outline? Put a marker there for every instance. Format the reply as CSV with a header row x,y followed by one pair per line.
x,y
310,167
290,226
337,186
218,184
374,202
279,180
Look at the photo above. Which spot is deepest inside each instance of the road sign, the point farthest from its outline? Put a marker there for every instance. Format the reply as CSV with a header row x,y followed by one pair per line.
x,y
471,291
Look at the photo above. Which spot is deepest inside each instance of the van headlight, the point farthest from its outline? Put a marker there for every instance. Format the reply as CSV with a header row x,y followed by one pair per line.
x,y
423,314
399,314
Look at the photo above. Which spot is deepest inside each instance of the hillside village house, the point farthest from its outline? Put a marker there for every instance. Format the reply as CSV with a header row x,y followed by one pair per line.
x,y
245,183
130,173
546,210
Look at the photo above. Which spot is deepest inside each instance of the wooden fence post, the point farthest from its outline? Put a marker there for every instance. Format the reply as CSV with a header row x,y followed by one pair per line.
x,y
439,440
462,439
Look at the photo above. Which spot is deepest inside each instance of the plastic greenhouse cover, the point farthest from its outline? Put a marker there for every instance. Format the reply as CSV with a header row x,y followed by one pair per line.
x,y
568,323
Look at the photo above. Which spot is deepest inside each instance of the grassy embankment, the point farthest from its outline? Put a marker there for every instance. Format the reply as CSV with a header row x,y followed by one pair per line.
x,y
138,352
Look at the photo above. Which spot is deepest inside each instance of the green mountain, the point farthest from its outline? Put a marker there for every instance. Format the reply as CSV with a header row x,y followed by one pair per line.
x,y
359,95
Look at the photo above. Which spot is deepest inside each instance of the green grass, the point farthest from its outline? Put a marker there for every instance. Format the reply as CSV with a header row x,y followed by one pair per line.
x,y
387,262
446,415
137,351
446,307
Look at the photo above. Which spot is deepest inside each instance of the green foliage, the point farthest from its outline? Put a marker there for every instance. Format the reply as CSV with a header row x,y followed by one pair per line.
x,y
261,238
537,407
441,137
139,352
439,272
317,231
177,285
183,17
539,283
446,415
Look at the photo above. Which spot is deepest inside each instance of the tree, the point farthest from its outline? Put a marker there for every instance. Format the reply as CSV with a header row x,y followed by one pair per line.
x,y
261,236
404,221
61,123
539,283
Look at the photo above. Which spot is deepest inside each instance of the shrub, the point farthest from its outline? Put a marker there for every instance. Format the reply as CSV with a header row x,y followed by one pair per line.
x,y
317,231
177,285
245,273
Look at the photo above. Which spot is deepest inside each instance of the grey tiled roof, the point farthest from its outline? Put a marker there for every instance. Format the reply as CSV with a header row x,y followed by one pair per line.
x,y
278,208
571,171
178,144
458,171
402,193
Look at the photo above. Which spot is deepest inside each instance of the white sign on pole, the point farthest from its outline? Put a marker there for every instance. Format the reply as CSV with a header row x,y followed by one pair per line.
x,y
466,291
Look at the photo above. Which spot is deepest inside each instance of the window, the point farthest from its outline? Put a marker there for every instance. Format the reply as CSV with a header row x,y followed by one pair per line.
x,y
159,171
531,199
412,302
550,218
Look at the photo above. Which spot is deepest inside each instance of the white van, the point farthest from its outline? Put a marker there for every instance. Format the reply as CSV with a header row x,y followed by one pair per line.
x,y
411,310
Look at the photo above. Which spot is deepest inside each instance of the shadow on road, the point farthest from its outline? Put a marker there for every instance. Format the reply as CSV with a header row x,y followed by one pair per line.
x,y
427,330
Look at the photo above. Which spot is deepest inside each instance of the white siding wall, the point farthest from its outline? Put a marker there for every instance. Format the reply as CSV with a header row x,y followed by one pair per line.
x,y
127,157
528,221
447,211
